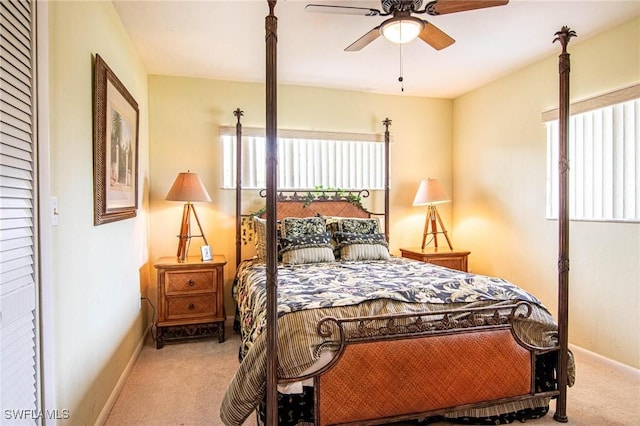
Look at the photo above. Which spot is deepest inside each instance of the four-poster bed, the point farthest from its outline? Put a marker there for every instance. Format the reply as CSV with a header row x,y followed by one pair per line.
x,y
451,343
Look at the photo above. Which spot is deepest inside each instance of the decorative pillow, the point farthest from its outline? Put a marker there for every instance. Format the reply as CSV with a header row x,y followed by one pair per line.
x,y
331,222
260,228
307,249
362,246
359,226
295,226
331,225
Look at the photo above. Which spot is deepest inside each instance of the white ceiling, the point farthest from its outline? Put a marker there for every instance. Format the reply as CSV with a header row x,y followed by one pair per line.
x,y
225,40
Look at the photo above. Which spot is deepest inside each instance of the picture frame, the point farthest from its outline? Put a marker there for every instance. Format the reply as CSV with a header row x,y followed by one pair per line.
x,y
115,147
206,253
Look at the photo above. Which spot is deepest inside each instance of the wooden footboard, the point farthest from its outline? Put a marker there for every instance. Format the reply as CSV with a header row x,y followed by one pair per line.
x,y
400,367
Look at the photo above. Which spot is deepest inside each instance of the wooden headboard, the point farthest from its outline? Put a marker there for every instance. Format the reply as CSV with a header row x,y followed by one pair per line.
x,y
308,203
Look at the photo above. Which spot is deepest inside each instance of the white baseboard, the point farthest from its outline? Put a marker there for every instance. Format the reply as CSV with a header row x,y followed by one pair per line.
x,y
610,363
104,414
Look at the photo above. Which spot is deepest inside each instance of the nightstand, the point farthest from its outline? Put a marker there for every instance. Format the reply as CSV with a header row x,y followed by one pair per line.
x,y
454,259
190,299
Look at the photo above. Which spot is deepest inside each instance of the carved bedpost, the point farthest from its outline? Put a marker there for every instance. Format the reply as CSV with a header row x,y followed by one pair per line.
x,y
387,167
271,40
238,113
564,35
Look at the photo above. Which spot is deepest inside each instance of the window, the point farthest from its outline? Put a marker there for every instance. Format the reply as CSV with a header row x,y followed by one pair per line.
x,y
604,163
306,160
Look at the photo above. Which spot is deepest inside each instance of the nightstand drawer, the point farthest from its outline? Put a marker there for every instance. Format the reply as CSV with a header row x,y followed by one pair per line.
x,y
459,263
188,281
454,259
191,306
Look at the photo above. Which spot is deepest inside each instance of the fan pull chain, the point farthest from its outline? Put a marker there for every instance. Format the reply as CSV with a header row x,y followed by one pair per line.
x,y
401,79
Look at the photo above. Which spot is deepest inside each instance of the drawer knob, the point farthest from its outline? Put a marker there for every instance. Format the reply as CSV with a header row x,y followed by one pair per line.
x,y
191,306
191,282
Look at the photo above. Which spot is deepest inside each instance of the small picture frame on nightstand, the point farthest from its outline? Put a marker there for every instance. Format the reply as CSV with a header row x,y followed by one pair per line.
x,y
206,253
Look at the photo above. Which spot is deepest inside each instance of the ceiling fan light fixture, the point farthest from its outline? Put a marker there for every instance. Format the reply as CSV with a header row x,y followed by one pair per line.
x,y
401,29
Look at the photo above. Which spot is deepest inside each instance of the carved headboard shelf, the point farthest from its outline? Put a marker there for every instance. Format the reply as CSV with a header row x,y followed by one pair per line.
x,y
307,203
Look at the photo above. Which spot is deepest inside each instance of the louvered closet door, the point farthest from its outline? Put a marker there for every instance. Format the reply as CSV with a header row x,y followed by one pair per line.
x,y
18,315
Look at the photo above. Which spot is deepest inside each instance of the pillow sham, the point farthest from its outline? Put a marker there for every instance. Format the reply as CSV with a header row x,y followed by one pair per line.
x,y
307,249
297,226
359,226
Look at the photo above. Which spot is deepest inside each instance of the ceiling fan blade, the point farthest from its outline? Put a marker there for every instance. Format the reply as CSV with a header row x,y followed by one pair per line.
x,y
364,40
343,10
435,37
442,7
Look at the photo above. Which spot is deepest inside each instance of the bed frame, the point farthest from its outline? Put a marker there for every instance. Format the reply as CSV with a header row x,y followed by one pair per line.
x,y
373,342
463,350
404,365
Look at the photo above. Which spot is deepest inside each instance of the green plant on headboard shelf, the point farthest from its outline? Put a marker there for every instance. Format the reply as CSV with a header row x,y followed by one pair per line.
x,y
354,199
321,193
308,199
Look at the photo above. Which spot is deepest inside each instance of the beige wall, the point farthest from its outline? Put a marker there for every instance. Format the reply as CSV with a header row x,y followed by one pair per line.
x,y
499,165
185,114
97,270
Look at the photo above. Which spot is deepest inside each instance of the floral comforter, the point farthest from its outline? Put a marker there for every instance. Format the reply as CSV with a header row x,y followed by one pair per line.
x,y
307,293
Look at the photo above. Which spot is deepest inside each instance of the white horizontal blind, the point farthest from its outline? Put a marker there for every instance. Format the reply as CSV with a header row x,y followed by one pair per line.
x,y
18,344
307,163
604,164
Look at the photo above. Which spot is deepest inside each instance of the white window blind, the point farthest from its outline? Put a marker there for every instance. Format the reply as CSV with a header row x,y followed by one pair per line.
x,y
604,164
307,160
18,320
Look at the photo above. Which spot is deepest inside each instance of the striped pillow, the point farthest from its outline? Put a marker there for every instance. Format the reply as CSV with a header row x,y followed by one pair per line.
x,y
364,252
362,246
308,255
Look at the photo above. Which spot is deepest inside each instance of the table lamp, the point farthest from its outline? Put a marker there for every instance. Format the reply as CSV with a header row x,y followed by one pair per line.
x,y
188,187
429,194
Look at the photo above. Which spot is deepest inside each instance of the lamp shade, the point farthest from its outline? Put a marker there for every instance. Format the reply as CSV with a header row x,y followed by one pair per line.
x,y
430,192
188,187
401,29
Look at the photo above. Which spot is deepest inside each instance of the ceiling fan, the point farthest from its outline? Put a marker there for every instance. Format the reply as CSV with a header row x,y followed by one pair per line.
x,y
402,27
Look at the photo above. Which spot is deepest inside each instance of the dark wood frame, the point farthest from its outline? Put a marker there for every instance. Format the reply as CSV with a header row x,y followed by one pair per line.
x,y
564,102
104,79
271,213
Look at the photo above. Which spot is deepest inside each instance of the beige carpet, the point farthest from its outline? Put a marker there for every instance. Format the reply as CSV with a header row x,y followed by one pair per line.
x,y
184,383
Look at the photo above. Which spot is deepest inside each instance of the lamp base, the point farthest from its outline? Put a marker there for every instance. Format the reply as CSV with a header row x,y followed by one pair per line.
x,y
185,232
430,227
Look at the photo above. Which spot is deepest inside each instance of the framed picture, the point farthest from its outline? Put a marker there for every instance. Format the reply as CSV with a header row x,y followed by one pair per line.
x,y
115,147
206,253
